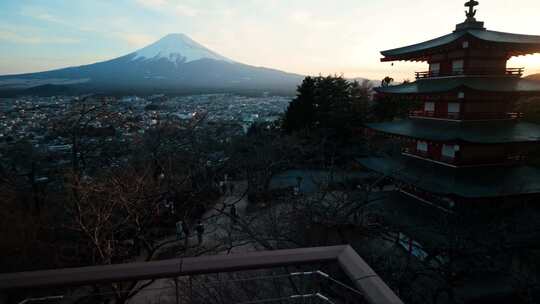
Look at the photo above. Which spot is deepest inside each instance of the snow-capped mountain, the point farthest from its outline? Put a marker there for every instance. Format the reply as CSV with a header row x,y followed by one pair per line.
x,y
173,64
177,48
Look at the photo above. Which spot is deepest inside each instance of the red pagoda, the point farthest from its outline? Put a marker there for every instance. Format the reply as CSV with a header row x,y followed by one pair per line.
x,y
466,143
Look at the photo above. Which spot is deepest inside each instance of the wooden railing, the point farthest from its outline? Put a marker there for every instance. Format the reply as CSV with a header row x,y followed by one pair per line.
x,y
433,114
430,156
513,72
373,288
457,161
466,116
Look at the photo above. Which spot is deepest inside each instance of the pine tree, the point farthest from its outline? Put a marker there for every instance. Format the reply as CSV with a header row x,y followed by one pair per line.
x,y
327,103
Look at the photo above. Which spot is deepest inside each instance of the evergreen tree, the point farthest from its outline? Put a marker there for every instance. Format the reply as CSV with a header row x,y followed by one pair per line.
x,y
388,107
299,114
327,103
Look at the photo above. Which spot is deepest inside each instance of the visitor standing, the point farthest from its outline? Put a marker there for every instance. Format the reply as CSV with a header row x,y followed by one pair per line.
x,y
200,231
234,215
179,229
185,229
223,187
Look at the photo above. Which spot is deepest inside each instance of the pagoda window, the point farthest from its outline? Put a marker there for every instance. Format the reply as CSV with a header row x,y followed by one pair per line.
x,y
453,110
434,69
422,146
453,107
449,151
429,106
457,66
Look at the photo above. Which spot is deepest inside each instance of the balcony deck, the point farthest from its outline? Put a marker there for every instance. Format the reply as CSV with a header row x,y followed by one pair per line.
x,y
510,72
458,116
457,162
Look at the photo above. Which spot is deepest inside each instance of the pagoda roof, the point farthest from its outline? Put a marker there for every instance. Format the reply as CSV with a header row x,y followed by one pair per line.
x,y
463,182
525,44
488,132
446,84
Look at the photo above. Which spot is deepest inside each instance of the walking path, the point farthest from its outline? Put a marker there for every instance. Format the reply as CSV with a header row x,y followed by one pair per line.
x,y
216,233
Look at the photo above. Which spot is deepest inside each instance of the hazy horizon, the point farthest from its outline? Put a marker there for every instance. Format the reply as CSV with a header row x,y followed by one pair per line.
x,y
305,37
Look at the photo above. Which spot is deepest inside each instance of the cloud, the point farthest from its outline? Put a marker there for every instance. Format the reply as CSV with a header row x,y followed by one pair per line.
x,y
40,14
17,38
12,36
48,17
153,4
168,6
186,11
307,19
137,40
301,17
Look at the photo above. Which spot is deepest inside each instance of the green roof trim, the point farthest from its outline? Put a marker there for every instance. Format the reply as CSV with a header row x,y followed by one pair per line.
x,y
486,84
492,132
485,35
464,182
433,43
503,37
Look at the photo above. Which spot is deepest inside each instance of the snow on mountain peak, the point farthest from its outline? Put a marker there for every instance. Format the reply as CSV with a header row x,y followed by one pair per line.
x,y
177,48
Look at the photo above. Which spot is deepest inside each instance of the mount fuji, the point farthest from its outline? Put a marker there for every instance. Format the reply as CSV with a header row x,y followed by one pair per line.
x,y
177,48
174,64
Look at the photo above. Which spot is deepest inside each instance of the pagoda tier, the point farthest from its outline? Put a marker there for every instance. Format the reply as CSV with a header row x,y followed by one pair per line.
x,y
464,98
470,144
430,181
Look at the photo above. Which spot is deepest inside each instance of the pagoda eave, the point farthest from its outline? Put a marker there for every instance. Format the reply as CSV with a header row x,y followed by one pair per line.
x,y
415,59
495,132
450,84
467,183
507,44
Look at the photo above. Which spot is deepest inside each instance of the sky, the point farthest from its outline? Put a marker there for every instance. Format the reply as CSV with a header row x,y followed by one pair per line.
x,y
302,36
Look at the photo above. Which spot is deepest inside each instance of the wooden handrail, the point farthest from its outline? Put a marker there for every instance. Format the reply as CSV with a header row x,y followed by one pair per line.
x,y
364,278
468,71
466,116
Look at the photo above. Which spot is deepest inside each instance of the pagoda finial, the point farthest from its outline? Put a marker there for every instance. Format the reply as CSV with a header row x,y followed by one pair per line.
x,y
472,12
470,22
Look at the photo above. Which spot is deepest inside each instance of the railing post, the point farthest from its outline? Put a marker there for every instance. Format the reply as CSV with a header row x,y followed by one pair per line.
x,y
176,290
190,290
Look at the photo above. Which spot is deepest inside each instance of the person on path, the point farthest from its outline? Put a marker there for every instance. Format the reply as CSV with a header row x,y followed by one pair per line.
x,y
200,231
223,188
234,215
179,230
185,229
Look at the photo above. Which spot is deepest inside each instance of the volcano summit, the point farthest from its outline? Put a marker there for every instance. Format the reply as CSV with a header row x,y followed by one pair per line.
x,y
173,64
